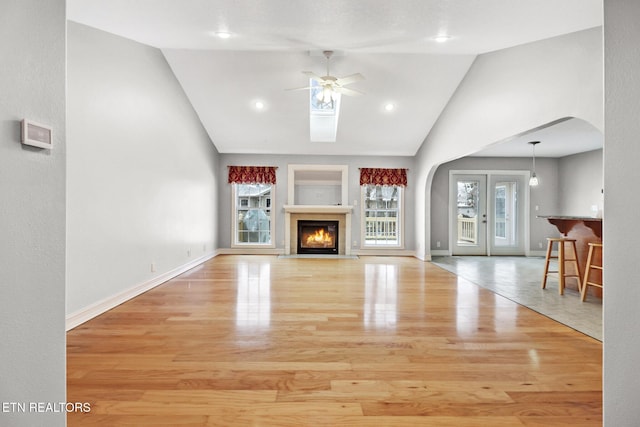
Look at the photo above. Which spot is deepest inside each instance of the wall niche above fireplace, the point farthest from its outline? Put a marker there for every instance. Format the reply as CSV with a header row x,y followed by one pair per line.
x,y
323,185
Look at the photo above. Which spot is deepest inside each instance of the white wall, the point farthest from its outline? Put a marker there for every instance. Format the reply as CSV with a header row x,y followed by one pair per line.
x,y
580,183
316,194
282,162
620,233
32,210
142,172
509,92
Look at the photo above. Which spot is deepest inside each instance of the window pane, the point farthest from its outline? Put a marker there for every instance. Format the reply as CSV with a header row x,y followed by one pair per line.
x,y
381,215
253,213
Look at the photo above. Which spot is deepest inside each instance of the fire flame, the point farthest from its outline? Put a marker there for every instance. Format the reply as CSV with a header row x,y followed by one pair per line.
x,y
320,237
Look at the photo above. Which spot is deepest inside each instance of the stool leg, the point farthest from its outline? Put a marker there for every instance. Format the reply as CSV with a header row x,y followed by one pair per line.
x,y
577,266
546,264
587,271
561,268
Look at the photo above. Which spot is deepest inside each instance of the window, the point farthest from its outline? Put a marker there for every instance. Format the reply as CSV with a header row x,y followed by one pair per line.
x,y
382,191
382,215
253,221
253,218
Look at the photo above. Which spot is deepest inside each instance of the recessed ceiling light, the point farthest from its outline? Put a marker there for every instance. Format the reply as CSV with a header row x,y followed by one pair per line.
x,y
222,34
441,38
389,106
259,105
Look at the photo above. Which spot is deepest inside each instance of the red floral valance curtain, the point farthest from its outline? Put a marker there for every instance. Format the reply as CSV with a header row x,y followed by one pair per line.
x,y
378,176
252,174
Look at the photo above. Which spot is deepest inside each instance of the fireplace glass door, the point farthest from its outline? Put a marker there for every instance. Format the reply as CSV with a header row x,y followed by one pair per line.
x,y
318,237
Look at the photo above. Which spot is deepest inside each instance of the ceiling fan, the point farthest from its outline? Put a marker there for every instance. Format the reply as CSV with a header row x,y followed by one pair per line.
x,y
332,85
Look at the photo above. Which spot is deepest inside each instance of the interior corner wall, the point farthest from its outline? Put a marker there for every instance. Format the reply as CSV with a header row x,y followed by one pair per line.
x,y
545,196
620,231
142,172
506,93
580,184
32,211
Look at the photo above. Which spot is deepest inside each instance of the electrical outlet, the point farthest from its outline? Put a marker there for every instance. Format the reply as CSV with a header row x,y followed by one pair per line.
x,y
153,267
355,243
188,252
540,245
438,244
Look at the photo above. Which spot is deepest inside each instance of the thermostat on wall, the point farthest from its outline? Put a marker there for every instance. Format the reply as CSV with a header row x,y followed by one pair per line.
x,y
36,134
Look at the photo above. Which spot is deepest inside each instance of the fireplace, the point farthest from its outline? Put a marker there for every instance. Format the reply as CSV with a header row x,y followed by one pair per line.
x,y
318,237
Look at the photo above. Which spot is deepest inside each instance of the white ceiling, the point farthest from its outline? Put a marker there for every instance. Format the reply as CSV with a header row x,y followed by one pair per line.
x,y
389,41
558,140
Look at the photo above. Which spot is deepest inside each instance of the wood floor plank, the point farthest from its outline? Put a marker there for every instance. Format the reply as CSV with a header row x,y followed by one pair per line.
x,y
375,341
359,421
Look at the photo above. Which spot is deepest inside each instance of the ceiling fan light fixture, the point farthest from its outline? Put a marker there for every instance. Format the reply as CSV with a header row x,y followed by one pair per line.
x,y
327,94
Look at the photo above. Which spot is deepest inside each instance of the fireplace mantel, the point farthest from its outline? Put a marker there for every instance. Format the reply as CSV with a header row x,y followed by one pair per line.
x,y
340,212
318,209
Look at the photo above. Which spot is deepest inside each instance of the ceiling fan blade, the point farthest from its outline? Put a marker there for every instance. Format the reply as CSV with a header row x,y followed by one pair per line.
x,y
347,91
300,88
313,76
350,79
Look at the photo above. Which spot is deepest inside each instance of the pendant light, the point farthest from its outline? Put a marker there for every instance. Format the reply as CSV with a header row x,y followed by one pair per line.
x,y
533,181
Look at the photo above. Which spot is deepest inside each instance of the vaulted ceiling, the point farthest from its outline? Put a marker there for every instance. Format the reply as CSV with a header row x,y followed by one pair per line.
x,y
391,42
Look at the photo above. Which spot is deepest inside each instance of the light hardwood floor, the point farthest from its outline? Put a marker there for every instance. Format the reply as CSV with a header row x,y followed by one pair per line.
x,y
376,341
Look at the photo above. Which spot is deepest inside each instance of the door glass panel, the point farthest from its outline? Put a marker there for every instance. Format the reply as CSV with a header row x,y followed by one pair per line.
x,y
467,209
505,223
500,216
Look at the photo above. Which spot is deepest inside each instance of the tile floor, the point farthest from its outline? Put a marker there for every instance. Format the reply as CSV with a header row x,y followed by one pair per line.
x,y
519,278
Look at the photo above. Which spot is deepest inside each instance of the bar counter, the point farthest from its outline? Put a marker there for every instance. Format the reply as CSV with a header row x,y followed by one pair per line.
x,y
585,229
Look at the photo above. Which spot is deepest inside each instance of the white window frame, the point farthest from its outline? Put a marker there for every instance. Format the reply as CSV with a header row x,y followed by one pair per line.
x,y
234,222
399,225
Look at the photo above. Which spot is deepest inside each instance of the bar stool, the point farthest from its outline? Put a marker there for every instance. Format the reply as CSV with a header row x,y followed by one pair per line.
x,y
562,260
586,282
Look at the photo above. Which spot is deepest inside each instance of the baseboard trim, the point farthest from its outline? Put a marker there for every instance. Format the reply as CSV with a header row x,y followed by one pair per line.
x,y
79,317
440,252
383,252
250,251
